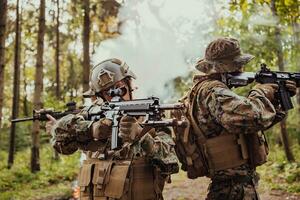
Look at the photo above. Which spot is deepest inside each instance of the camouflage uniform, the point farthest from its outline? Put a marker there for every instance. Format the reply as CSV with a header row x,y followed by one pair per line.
x,y
136,171
73,132
219,112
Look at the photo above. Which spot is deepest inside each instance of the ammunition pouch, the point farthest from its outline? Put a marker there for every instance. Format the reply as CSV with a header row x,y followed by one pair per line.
x,y
258,148
101,179
189,153
226,151
145,181
84,181
119,179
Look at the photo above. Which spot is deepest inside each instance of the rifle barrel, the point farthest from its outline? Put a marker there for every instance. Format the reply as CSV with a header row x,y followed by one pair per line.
x,y
171,106
167,122
22,119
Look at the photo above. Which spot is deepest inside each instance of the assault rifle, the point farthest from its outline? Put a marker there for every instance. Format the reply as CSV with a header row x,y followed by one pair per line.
x,y
150,108
40,115
265,75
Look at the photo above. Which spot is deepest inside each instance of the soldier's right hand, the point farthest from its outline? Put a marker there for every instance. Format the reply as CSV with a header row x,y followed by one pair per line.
x,y
50,123
130,128
269,89
102,129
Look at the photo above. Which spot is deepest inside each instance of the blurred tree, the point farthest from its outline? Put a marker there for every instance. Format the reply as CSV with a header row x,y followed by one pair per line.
x,y
104,24
3,14
57,51
279,52
16,87
35,160
86,44
57,91
25,101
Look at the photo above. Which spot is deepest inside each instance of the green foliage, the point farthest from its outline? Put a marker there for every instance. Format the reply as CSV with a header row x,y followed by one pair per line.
x,y
278,174
103,16
104,25
20,183
23,136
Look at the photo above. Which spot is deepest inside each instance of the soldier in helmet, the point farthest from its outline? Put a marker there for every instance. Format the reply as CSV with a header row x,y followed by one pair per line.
x,y
136,171
224,141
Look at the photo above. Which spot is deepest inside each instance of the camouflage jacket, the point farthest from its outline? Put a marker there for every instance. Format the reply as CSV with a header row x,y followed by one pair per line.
x,y
73,132
219,111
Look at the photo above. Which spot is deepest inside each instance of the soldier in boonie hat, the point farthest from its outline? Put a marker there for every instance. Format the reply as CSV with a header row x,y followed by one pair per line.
x,y
223,55
223,121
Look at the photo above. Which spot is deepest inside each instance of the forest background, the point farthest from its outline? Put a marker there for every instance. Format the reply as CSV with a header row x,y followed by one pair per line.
x,y
45,59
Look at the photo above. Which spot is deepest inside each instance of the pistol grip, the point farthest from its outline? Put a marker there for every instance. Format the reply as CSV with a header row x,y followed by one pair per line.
x,y
285,98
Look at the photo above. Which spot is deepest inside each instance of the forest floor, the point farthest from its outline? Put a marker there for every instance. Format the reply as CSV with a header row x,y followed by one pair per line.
x,y
280,180
186,189
182,188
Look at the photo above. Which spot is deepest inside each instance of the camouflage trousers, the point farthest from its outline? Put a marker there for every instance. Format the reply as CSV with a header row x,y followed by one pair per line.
x,y
239,188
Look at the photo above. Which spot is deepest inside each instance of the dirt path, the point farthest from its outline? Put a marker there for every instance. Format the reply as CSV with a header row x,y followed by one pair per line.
x,y
182,188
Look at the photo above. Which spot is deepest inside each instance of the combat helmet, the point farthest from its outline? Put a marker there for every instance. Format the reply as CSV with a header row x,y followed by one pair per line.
x,y
223,55
108,72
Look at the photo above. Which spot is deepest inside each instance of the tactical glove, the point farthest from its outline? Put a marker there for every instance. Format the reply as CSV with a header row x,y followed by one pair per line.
x,y
102,129
291,86
267,89
129,128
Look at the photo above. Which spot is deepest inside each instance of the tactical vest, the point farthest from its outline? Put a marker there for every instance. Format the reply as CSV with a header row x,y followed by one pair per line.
x,y
203,156
120,179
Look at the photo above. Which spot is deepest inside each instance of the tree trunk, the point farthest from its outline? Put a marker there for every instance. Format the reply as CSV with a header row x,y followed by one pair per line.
x,y
37,101
26,111
3,14
25,101
296,56
16,88
285,141
279,52
57,92
71,81
86,44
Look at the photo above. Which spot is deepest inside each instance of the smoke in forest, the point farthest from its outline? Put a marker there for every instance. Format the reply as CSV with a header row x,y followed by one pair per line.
x,y
159,40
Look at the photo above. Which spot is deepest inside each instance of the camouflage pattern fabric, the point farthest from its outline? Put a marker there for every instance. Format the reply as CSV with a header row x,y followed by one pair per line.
x,y
72,132
235,184
220,111
160,150
68,132
223,55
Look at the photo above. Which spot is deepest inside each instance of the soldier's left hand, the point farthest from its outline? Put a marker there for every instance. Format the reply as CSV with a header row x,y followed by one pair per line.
x,y
129,128
291,86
